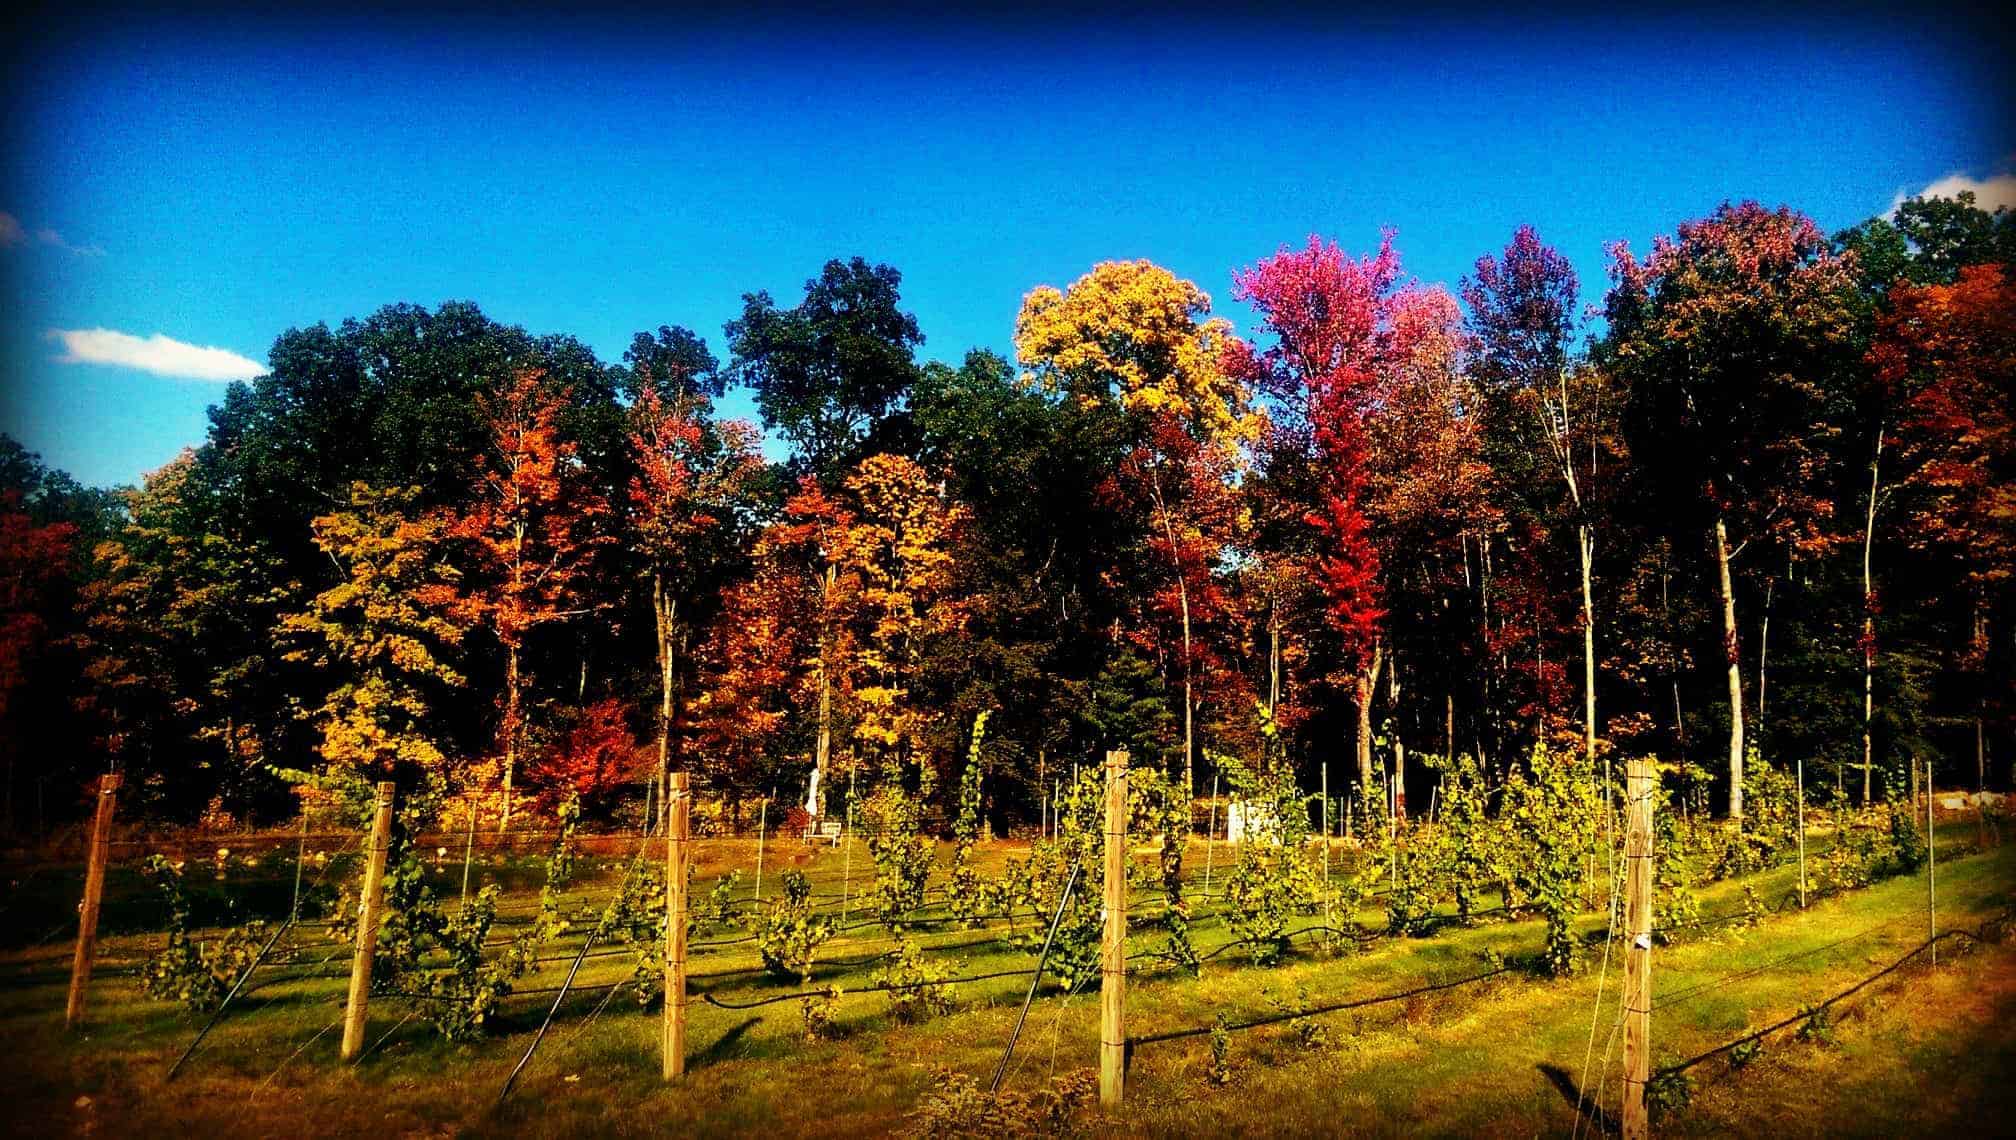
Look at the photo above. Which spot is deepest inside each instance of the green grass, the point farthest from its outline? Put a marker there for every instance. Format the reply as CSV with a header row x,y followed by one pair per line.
x,y
1919,1053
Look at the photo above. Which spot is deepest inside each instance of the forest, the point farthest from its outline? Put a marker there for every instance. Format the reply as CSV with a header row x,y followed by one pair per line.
x,y
1748,504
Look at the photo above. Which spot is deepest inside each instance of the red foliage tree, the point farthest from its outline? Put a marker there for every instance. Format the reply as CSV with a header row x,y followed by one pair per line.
x,y
1947,354
32,558
1373,431
596,759
532,529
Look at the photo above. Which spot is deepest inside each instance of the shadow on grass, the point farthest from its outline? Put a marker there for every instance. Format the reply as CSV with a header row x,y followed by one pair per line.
x,y
726,1043
1585,1105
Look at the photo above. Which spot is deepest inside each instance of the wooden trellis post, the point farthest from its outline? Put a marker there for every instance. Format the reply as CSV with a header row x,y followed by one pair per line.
x,y
94,894
1638,950
1113,947
677,856
367,925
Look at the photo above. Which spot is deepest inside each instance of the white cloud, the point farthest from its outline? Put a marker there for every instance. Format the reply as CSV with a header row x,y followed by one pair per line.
x,y
13,233
1989,193
161,355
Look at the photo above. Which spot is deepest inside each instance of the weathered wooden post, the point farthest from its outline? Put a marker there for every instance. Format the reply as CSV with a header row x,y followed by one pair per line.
x,y
677,856
367,925
94,894
1113,947
1638,951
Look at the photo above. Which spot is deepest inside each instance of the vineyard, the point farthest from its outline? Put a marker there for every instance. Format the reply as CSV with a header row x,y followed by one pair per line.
x,y
1296,650
1393,978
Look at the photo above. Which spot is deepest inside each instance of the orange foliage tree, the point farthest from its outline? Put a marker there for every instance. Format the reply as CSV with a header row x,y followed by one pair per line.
x,y
531,530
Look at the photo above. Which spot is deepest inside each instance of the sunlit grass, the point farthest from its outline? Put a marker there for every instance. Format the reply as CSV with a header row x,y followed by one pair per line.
x,y
1470,1061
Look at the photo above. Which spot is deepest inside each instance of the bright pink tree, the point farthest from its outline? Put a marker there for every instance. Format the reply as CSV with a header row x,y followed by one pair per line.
x,y
1328,314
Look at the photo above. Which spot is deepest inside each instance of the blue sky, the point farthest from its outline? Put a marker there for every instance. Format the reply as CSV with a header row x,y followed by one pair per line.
x,y
218,181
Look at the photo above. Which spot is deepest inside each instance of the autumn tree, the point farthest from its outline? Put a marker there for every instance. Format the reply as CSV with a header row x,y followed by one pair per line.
x,y
780,665
1427,483
898,546
1727,337
176,636
1327,314
1372,450
1522,318
1949,353
385,635
33,559
530,531
593,761
690,477
1131,342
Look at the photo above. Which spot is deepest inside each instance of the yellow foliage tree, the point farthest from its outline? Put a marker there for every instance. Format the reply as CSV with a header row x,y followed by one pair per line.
x,y
1134,335
899,548
383,633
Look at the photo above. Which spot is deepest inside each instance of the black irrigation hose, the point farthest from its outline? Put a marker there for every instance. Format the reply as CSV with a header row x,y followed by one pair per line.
x,y
226,1003
1312,1011
548,1023
1809,1011
885,987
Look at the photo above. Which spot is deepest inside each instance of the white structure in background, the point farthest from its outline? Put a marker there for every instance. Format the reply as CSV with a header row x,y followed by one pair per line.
x,y
1242,819
812,795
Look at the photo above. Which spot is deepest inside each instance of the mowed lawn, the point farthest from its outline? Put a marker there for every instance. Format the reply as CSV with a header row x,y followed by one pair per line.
x,y
1925,1051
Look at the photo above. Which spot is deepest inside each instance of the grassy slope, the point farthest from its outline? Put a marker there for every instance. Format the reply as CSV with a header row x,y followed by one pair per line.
x,y
1923,1052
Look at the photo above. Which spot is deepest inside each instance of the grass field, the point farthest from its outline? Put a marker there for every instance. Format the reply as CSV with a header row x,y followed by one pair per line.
x,y
1926,1051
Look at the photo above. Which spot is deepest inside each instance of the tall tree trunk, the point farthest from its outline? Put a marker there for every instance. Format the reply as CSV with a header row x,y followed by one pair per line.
x,y
1980,761
1273,661
665,609
510,733
1362,684
1980,653
1585,544
1764,654
1729,652
823,748
1869,620
1399,749
1183,602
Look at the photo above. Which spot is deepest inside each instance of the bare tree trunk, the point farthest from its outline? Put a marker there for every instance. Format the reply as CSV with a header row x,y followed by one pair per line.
x,y
1273,661
824,746
1585,543
1362,691
1183,601
664,608
1729,651
1980,761
1869,620
510,734
1399,749
1981,703
1764,653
